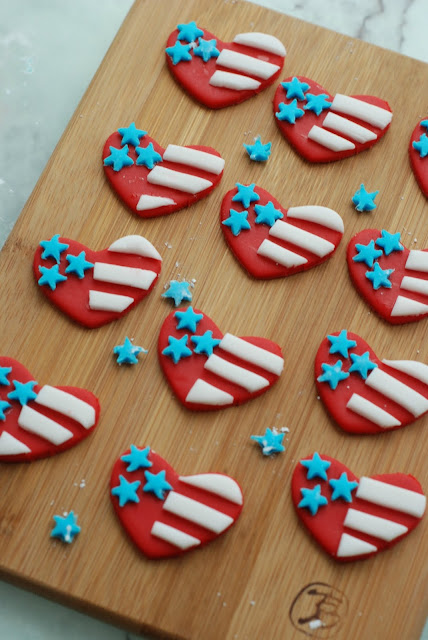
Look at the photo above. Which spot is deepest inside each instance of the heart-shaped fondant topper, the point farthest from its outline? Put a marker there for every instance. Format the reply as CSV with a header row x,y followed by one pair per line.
x,y
211,370
323,128
392,278
364,394
39,421
418,154
270,241
219,74
166,514
354,518
96,287
153,181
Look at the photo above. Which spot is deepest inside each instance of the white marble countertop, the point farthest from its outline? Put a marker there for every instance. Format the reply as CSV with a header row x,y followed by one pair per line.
x,y
33,117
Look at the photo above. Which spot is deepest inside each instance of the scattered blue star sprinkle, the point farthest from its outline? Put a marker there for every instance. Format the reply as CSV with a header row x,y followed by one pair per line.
x,y
271,442
127,353
206,49
3,406
137,459
205,344
51,277
289,112
118,158
246,195
424,123
53,248
189,32
421,145
177,348
156,483
147,156
342,488
188,319
258,151
23,392
178,291
333,374
126,491
361,364
78,264
179,52
379,277
295,88
312,499
65,528
389,242
316,466
4,372
363,200
267,214
341,344
367,253
317,103
237,221
131,135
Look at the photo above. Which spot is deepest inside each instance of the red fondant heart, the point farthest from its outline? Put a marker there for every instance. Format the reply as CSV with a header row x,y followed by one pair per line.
x,y
251,63
406,300
42,420
183,176
419,163
375,398
366,516
237,370
352,123
303,238
123,275
188,512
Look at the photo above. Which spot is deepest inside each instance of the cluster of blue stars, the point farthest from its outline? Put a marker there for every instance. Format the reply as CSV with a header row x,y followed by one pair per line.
x,y
296,90
190,33
119,158
156,483
265,214
368,254
52,249
333,374
179,348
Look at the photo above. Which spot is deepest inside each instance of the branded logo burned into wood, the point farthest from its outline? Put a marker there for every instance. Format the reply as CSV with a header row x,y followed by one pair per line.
x,y
318,610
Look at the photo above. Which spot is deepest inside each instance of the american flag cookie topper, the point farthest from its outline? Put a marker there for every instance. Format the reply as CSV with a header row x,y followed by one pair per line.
x,y
418,154
354,518
324,128
167,514
209,370
219,74
96,287
153,181
39,421
271,241
364,394
390,277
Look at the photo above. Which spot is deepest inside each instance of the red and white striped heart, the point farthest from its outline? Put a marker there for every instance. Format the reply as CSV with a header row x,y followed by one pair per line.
x,y
353,518
96,287
208,370
153,181
39,421
323,128
390,277
166,514
418,154
219,74
364,394
270,241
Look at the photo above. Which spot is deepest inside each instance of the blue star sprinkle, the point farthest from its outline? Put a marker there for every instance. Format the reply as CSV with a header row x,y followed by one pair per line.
x,y
312,499
341,344
53,248
246,195
137,459
367,253
258,151
342,488
363,200
78,264
424,123
126,491
317,103
23,392
4,372
421,145
267,214
65,528
131,135
389,242
147,156
333,374
178,291
295,88
127,353
189,32
188,319
379,277
289,112
3,406
205,344
51,277
156,483
271,442
177,349
179,52
206,49
361,364
316,466
118,158
237,221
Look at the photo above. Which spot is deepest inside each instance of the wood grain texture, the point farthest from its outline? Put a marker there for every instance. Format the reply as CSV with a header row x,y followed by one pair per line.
x,y
243,585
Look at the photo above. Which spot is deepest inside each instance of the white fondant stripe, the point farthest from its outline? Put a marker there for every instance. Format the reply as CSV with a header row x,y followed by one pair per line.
x,y
250,381
350,546
194,158
303,239
44,427
388,495
177,180
174,536
67,404
127,276
233,81
103,301
262,41
417,260
365,111
216,483
407,307
329,140
153,202
397,391
196,512
348,128
251,353
373,525
321,215
278,254
10,446
246,64
414,284
372,412
417,370
205,393
136,245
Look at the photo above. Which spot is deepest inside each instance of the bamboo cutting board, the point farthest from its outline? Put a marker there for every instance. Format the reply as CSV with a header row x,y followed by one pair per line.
x,y
247,583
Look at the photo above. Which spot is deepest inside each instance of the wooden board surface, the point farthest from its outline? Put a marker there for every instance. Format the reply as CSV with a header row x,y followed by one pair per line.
x,y
243,585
